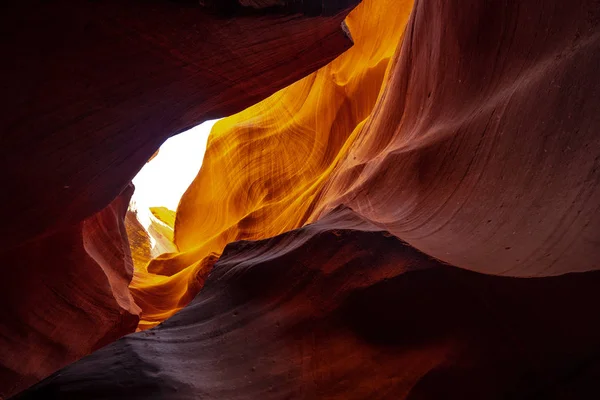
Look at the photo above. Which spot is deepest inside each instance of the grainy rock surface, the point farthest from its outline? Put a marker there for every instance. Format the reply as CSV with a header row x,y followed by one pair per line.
x,y
343,310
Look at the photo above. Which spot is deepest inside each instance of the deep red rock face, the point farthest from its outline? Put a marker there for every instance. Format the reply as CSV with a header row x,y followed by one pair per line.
x,y
91,89
340,309
483,150
477,143
89,92
65,295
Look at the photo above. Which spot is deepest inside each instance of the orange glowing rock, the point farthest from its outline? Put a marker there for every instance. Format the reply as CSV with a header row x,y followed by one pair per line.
x,y
161,229
89,92
465,133
438,138
484,149
265,166
139,241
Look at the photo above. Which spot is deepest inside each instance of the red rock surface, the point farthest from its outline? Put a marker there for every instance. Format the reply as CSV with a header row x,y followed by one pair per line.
x,y
89,92
481,149
342,310
264,167
473,137
91,89
66,294
484,148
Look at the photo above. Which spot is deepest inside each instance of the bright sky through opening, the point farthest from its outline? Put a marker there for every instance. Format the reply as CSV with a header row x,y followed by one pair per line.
x,y
163,180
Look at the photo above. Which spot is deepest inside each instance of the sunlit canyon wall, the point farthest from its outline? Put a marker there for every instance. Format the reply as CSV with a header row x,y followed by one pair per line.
x,y
416,219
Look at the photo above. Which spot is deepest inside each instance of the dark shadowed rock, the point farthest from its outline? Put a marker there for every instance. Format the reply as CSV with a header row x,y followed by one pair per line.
x,y
340,309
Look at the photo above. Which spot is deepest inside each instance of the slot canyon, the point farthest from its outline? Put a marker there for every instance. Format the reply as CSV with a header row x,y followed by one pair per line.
x,y
399,199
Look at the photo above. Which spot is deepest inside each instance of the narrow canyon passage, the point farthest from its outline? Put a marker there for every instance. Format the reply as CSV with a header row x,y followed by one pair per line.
x,y
399,200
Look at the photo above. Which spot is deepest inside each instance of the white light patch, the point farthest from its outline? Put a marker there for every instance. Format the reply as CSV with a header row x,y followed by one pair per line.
x,y
163,180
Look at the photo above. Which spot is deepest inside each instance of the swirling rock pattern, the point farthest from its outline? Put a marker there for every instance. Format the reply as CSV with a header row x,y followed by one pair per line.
x,y
436,136
484,151
89,92
481,141
66,295
139,240
341,310
264,167
460,132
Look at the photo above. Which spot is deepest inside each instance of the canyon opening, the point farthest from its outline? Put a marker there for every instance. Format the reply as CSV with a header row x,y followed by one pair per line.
x,y
377,199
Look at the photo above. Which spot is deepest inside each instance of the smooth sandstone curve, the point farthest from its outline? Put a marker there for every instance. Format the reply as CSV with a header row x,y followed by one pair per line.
x,y
342,310
89,92
479,145
65,296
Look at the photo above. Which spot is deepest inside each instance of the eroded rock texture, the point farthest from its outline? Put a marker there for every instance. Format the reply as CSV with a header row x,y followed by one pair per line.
x,y
472,136
139,240
89,92
483,151
340,309
264,167
467,129
91,89
483,141
65,295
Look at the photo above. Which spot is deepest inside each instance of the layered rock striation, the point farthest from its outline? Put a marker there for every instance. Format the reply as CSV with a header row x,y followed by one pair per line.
x,y
415,219
342,310
89,92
